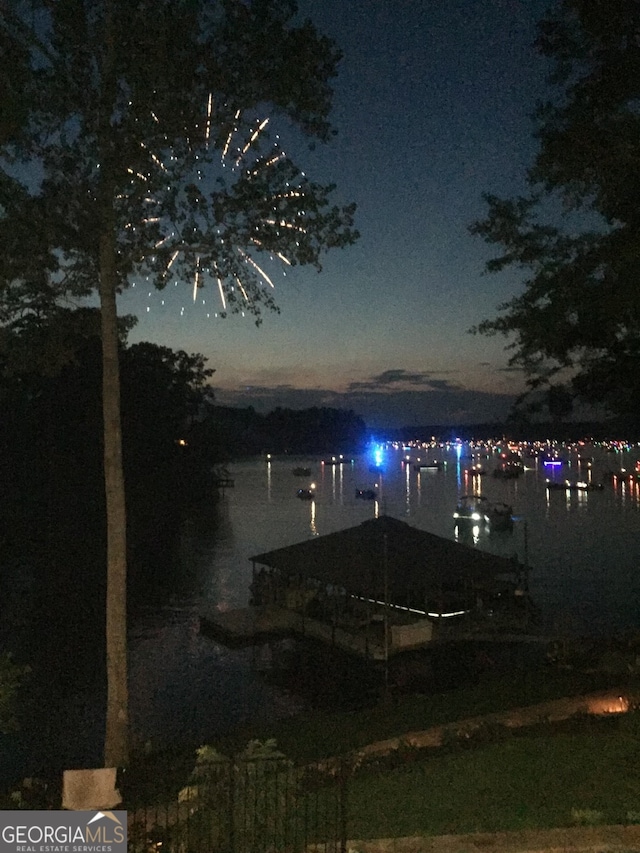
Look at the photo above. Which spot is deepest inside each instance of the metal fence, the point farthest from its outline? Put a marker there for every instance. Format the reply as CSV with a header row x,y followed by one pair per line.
x,y
241,805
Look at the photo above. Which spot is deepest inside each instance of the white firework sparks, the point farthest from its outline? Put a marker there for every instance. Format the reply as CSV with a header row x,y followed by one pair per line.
x,y
192,232
252,139
196,279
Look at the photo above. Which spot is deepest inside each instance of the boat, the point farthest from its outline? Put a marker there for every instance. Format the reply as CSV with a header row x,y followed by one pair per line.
x,y
305,494
511,457
476,470
552,461
366,494
473,508
556,485
508,471
480,510
501,516
302,472
337,460
579,486
582,486
624,474
428,466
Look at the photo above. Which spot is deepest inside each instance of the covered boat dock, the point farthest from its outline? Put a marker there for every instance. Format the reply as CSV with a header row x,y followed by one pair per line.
x,y
376,589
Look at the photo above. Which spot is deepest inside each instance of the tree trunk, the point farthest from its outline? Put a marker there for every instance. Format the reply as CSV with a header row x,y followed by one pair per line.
x,y
116,751
116,746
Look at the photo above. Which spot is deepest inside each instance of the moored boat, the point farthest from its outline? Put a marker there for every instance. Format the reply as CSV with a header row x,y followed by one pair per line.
x,y
337,460
428,466
582,486
568,486
501,516
366,494
552,460
476,470
508,471
472,508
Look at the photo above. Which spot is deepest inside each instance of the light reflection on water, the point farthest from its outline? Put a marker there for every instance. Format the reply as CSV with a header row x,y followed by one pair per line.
x,y
583,547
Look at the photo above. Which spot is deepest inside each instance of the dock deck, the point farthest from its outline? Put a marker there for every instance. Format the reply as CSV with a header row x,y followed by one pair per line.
x,y
248,625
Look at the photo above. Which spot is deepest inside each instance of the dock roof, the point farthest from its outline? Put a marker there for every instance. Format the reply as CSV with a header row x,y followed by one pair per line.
x,y
415,560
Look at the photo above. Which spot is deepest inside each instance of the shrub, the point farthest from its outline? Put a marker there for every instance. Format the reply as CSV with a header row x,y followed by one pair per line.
x,y
586,817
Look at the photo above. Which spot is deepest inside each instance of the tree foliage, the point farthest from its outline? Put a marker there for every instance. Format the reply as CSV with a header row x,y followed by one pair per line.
x,y
239,432
137,144
11,676
576,233
315,430
197,189
50,436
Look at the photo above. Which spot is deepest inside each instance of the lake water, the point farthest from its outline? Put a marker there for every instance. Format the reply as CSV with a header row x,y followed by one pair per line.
x,y
583,549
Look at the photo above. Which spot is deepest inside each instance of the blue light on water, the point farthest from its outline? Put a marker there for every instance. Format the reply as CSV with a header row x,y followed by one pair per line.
x,y
377,454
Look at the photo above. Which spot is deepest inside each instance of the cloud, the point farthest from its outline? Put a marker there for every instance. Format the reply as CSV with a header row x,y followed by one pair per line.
x,y
399,378
443,385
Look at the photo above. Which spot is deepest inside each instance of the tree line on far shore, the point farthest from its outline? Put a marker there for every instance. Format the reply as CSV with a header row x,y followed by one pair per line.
x,y
174,434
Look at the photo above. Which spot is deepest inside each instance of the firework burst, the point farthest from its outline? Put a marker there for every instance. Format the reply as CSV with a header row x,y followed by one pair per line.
x,y
223,208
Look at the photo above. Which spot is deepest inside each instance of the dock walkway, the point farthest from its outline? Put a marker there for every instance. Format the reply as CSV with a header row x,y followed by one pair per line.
x,y
248,625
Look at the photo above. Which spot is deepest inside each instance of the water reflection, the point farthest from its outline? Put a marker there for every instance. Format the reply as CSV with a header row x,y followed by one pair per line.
x,y
628,489
472,483
407,488
312,523
581,497
467,534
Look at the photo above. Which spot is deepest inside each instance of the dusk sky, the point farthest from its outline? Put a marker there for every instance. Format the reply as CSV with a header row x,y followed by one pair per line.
x,y
432,108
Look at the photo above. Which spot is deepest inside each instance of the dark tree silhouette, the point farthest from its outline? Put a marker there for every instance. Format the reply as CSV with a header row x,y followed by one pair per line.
x,y
576,235
111,166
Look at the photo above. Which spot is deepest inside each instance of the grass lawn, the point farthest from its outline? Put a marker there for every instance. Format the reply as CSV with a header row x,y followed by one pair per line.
x,y
585,770
582,771
521,782
320,734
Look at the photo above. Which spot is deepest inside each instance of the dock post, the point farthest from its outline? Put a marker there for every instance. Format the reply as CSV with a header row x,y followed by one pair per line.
x,y
385,557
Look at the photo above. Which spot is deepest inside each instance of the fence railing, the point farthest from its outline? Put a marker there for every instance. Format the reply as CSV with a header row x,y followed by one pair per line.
x,y
240,805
